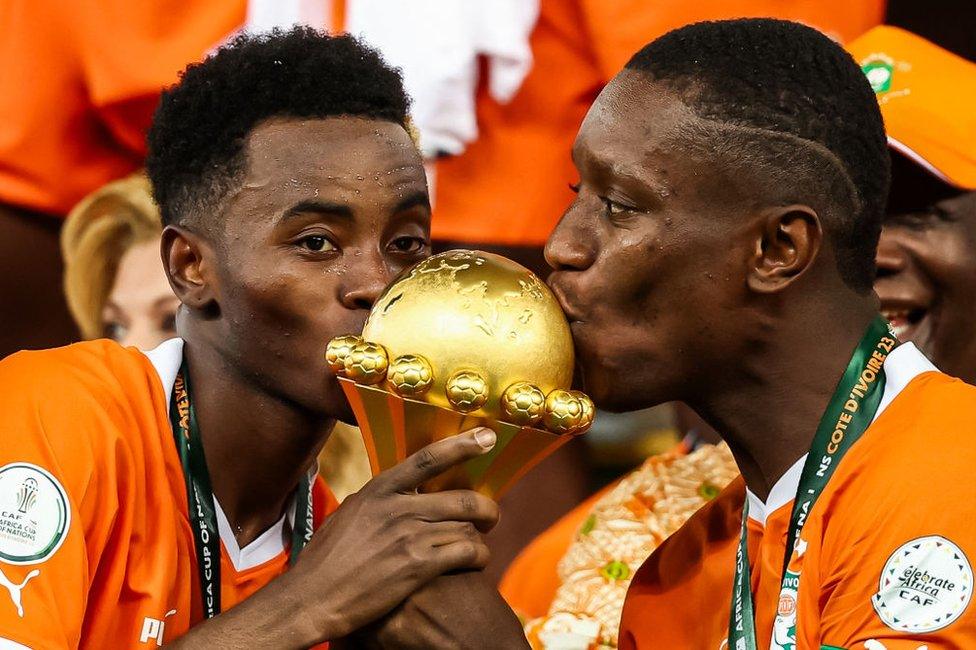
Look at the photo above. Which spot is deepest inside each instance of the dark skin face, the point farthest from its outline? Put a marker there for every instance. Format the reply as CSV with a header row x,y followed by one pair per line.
x,y
684,280
926,275
651,228
328,213
306,249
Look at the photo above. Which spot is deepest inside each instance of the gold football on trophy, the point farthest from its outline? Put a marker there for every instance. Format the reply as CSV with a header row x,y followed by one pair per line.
x,y
338,349
366,363
589,410
479,313
523,403
410,375
563,411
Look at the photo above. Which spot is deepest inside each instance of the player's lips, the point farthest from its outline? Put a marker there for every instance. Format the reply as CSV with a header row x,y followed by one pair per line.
x,y
573,314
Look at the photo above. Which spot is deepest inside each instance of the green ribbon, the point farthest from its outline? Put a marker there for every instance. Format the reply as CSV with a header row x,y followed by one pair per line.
x,y
201,508
849,413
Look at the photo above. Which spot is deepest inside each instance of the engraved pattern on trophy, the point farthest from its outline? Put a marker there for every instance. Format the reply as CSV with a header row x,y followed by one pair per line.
x,y
463,339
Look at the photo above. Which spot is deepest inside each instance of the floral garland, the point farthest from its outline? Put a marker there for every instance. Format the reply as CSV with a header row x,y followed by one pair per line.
x,y
625,526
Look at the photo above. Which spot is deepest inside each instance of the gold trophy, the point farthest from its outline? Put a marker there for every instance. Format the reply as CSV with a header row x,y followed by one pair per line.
x,y
460,340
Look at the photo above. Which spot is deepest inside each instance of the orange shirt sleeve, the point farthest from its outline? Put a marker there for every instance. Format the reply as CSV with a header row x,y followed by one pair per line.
x,y
896,571
57,504
679,598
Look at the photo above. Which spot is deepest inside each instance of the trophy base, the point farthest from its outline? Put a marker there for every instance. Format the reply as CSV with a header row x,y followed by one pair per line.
x,y
394,427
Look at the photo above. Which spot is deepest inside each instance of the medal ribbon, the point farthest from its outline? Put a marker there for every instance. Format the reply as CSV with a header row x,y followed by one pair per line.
x,y
201,508
849,413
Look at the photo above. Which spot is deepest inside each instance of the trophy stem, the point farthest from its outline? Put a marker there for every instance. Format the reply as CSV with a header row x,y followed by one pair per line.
x,y
394,427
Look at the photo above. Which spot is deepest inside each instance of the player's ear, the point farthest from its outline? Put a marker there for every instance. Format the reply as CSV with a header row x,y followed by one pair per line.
x,y
188,260
786,244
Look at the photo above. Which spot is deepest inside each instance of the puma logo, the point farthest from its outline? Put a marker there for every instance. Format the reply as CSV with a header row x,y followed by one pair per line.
x,y
15,590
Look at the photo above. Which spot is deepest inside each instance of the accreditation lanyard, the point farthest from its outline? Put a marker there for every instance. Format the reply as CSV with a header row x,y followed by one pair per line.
x,y
849,413
203,514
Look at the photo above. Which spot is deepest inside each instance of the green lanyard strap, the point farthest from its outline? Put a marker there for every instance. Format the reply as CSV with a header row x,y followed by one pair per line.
x,y
849,413
200,506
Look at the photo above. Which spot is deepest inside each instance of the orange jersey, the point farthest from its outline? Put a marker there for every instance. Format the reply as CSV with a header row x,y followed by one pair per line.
x,y
81,80
884,555
96,549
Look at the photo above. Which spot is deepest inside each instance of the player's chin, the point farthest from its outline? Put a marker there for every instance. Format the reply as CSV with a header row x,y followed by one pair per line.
x,y
343,412
617,388
607,389
336,404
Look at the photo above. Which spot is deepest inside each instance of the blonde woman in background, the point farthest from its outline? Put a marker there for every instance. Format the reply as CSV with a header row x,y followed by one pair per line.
x,y
113,278
116,288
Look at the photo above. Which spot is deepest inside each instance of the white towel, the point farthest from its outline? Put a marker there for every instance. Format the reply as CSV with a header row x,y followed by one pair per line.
x,y
437,44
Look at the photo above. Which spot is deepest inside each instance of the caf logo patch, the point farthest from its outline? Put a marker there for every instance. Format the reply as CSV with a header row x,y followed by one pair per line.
x,y
925,585
34,514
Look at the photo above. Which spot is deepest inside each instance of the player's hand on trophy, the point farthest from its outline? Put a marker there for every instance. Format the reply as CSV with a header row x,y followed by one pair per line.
x,y
387,540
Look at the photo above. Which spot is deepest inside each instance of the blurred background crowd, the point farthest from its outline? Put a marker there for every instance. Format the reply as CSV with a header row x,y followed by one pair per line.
x,y
499,88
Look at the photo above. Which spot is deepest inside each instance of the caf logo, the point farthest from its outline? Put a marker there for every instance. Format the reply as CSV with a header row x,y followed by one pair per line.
x,y
35,514
925,585
27,495
787,605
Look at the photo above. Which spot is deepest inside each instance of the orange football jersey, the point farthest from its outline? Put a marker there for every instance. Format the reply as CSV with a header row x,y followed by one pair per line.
x,y
96,549
884,556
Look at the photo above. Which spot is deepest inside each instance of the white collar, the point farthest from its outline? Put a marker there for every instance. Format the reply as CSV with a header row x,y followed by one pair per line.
x,y
904,364
166,358
266,546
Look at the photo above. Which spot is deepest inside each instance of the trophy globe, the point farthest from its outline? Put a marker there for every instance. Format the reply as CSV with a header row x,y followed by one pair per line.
x,y
460,340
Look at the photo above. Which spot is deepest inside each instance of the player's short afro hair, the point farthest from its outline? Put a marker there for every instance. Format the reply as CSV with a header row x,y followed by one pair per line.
x,y
778,78
197,139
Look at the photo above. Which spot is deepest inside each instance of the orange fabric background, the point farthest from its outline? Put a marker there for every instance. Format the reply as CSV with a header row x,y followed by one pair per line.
x,y
76,105
510,186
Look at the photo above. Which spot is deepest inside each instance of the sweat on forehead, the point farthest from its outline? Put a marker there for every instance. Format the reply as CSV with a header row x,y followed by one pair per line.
x,y
296,146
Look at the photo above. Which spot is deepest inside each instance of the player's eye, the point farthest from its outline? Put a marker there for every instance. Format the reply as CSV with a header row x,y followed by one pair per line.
x,y
613,208
409,245
316,243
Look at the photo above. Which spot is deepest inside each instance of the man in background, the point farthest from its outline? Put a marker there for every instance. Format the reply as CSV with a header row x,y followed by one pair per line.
x,y
927,253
